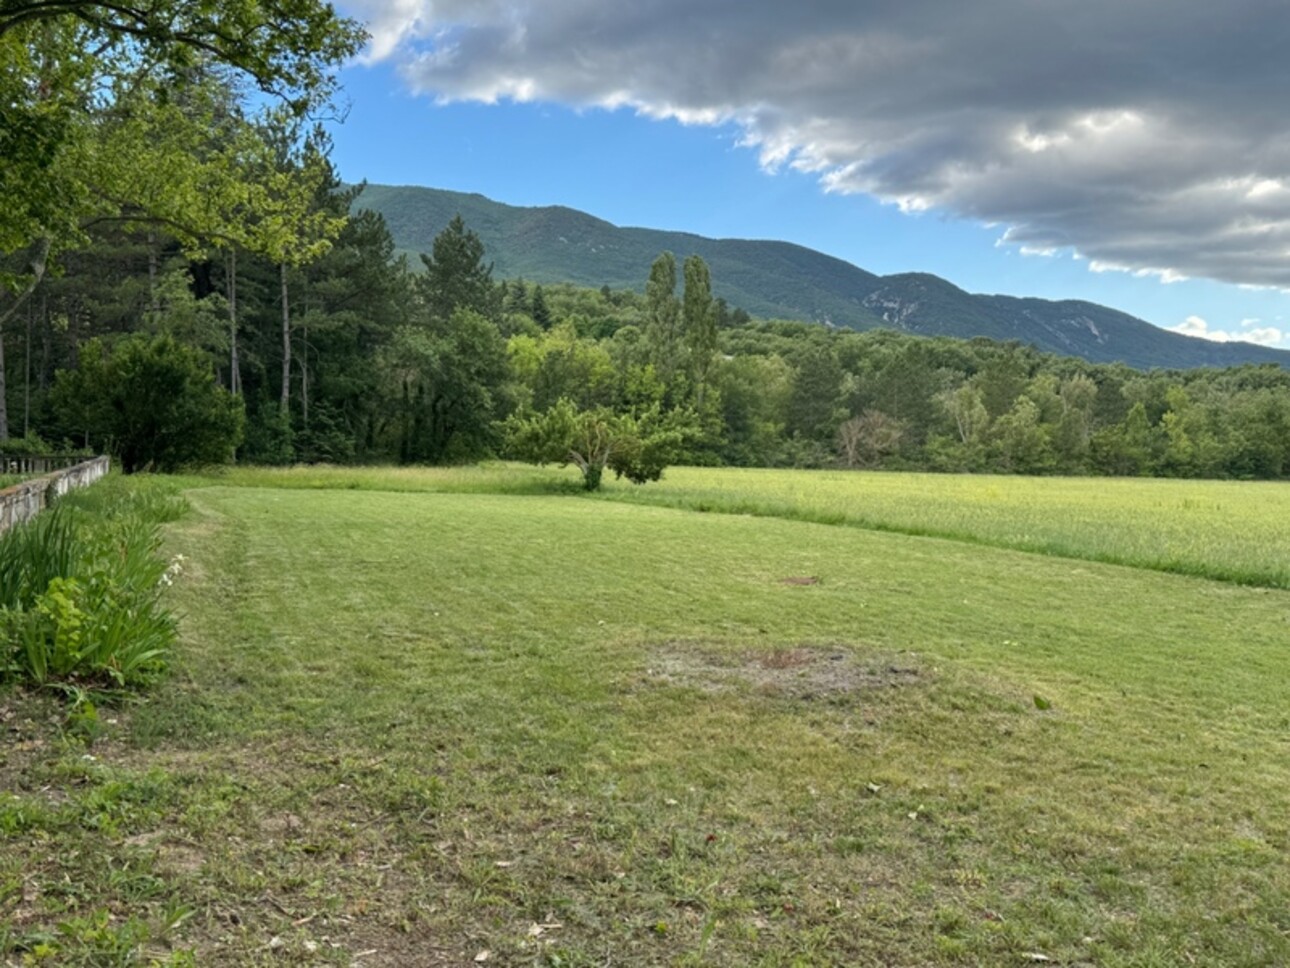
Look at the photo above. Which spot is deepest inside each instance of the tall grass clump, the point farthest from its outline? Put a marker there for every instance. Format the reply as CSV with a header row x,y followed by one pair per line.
x,y
81,588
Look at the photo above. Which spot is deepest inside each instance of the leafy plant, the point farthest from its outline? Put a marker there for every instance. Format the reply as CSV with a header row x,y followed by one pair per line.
x,y
80,590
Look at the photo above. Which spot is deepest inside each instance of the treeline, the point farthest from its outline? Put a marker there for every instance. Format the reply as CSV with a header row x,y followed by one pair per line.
x,y
355,356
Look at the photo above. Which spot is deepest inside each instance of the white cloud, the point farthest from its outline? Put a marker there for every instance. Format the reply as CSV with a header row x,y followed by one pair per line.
x,y
1199,327
1140,138
1265,336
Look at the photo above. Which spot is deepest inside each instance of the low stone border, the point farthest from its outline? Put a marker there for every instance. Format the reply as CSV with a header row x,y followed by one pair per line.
x,y
25,500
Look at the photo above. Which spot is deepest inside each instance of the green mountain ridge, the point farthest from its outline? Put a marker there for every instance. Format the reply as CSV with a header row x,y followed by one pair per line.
x,y
781,280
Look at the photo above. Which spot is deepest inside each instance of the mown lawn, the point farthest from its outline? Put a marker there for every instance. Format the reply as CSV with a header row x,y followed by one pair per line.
x,y
415,728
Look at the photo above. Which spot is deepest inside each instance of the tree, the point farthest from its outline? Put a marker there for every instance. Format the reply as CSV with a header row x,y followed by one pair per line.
x,y
96,122
965,407
1127,448
866,439
455,276
540,313
152,402
635,447
813,411
69,71
558,365
1022,440
699,325
662,313
450,379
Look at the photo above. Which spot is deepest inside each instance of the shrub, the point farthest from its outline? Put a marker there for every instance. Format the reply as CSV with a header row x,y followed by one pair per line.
x,y
154,403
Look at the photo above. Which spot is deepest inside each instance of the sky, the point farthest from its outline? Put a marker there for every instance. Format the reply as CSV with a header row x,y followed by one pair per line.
x,y
1134,153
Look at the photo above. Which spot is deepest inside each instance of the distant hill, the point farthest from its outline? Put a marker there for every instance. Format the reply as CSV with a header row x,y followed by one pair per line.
x,y
784,281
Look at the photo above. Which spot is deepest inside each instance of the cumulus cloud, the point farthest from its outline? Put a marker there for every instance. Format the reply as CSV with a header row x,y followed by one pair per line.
x,y
1198,326
1144,135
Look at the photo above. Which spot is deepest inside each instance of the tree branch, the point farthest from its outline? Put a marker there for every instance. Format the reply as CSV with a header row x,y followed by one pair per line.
x,y
37,264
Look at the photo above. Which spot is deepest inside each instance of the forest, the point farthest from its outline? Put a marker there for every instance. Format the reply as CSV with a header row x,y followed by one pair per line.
x,y
136,347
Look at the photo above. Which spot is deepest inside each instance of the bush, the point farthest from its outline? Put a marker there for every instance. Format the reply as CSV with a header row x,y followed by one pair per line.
x,y
153,403
81,586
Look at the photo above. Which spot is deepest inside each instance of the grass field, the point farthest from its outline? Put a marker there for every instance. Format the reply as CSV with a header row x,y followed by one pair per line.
x,y
1230,530
413,722
1227,530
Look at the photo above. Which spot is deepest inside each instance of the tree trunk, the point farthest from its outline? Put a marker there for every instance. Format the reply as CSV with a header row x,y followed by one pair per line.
x,y
39,259
234,369
26,374
304,375
285,403
4,411
46,345
154,302
304,358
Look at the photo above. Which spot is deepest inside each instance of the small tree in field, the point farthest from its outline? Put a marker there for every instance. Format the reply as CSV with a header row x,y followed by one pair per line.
x,y
635,447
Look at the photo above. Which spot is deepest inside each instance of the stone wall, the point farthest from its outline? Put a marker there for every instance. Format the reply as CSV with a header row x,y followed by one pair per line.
x,y
24,501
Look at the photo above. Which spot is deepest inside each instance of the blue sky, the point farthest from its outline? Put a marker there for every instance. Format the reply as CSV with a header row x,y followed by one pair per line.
x,y
651,161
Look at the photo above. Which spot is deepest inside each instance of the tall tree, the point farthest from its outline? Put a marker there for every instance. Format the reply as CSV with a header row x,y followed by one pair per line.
x,y
699,322
449,365
662,315
456,276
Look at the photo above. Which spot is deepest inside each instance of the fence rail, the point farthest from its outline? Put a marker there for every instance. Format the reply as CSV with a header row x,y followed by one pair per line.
x,y
25,500
38,463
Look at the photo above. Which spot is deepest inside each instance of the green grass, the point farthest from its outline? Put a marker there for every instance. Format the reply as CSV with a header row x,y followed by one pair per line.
x,y
493,477
422,726
1228,530
1225,530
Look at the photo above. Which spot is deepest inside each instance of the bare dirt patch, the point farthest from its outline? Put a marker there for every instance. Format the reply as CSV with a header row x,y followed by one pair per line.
x,y
795,672
29,728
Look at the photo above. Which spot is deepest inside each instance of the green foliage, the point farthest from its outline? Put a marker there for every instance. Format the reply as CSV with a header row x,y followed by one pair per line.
x,y
638,447
153,403
99,121
456,277
449,385
389,366
80,591
269,438
663,319
699,324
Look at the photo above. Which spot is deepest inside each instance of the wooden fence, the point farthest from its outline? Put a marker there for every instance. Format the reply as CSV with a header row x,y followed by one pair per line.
x,y
25,500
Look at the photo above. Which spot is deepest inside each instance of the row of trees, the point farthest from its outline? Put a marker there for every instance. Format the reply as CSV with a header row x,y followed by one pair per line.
x,y
354,356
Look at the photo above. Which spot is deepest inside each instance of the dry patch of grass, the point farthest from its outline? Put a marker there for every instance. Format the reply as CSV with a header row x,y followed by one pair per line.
x,y
804,672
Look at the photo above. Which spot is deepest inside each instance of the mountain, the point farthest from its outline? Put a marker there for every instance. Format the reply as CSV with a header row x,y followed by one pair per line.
x,y
779,280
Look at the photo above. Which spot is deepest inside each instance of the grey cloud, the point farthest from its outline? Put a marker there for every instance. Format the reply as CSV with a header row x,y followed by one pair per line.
x,y
1142,134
